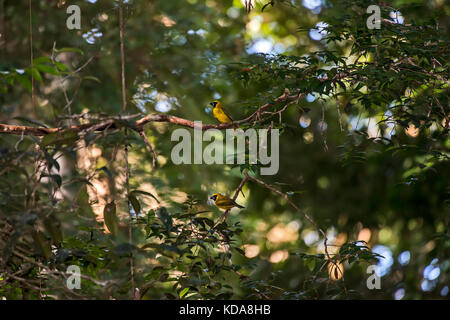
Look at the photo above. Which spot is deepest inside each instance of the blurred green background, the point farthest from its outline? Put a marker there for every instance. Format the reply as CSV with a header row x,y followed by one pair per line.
x,y
180,55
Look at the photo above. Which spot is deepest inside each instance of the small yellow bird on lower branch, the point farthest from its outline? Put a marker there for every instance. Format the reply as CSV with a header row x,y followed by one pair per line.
x,y
224,202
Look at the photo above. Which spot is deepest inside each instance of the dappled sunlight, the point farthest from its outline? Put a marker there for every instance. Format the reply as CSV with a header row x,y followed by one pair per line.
x,y
335,270
364,235
149,202
412,131
279,256
384,263
282,233
104,166
98,190
310,236
178,196
251,250
167,21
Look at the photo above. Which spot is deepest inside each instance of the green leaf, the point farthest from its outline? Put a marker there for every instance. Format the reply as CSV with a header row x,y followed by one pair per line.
x,y
32,121
41,60
167,250
124,249
165,218
52,162
25,82
42,244
240,251
135,203
59,138
55,177
144,193
70,50
47,69
110,216
311,264
91,78
53,227
183,292
61,66
106,170
35,73
8,247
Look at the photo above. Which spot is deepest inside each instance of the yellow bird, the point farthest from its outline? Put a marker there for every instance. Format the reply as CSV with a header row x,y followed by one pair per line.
x,y
223,202
219,113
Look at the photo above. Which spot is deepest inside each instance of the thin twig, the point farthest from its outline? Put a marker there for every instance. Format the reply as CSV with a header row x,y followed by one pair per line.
x,y
122,57
322,129
149,145
286,197
127,167
31,60
236,193
53,273
79,69
66,97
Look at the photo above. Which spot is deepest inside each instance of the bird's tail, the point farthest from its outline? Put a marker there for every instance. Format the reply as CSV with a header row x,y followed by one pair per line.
x,y
239,206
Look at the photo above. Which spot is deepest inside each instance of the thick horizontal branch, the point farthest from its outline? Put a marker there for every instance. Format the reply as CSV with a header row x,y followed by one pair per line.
x,y
140,123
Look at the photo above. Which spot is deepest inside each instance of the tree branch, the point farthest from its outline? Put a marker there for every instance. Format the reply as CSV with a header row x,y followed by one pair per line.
x,y
247,177
286,197
149,145
236,193
140,123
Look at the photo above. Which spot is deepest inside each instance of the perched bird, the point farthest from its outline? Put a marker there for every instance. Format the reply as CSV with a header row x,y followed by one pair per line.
x,y
219,113
223,202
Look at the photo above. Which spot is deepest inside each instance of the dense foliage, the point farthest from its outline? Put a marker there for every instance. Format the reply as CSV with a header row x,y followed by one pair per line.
x,y
364,150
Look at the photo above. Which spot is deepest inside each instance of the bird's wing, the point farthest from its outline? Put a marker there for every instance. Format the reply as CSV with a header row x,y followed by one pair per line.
x,y
237,205
224,202
226,113
228,202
